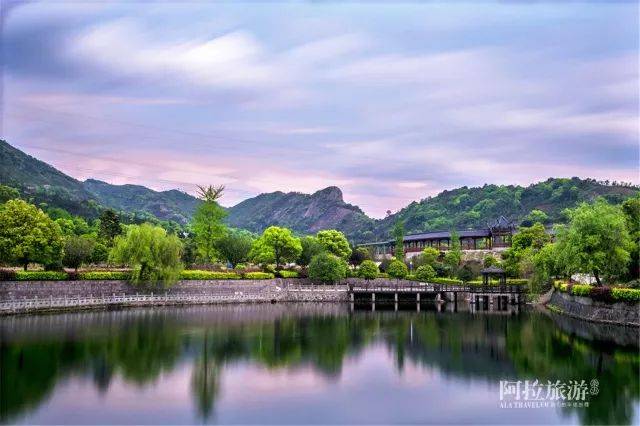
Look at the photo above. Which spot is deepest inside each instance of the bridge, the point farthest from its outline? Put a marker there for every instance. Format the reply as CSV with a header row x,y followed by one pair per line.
x,y
413,292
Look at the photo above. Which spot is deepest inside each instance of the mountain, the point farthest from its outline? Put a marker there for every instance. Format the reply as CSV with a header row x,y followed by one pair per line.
x,y
43,184
459,208
166,205
464,207
303,213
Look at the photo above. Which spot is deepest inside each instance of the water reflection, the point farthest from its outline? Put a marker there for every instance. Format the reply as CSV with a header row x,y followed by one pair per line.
x,y
316,354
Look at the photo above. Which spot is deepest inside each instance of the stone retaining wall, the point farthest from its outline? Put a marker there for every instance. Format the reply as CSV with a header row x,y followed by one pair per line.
x,y
275,290
585,308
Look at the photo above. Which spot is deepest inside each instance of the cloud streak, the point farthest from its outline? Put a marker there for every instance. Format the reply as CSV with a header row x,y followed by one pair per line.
x,y
298,97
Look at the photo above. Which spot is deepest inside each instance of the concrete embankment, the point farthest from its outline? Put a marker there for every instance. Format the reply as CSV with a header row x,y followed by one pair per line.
x,y
585,308
21,297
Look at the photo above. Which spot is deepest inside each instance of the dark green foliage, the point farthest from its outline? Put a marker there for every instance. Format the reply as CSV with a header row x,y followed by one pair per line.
x,y
466,273
234,247
359,255
311,247
77,250
631,210
110,226
327,268
398,235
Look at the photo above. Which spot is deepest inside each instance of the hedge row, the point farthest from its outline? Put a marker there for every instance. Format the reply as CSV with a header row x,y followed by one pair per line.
x,y
10,275
288,274
606,294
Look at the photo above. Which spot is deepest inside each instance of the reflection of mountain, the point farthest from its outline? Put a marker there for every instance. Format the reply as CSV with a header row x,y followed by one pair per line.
x,y
137,346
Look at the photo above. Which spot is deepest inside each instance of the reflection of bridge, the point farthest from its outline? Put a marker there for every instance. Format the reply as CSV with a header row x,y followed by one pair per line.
x,y
489,296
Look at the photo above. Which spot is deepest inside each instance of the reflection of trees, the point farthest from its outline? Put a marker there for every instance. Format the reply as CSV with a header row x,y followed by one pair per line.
x,y
205,380
461,345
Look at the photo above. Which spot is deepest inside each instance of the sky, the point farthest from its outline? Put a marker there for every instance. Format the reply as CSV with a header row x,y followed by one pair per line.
x,y
390,101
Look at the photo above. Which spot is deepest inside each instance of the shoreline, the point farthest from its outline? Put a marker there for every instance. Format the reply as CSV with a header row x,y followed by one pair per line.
x,y
586,309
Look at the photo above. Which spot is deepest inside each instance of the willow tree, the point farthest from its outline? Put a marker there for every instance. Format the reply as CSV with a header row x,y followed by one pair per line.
x,y
152,254
596,241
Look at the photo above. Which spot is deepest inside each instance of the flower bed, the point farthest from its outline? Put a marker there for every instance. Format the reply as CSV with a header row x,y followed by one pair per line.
x,y
605,293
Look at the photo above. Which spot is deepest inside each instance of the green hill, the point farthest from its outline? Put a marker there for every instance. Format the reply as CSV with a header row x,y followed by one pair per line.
x,y
464,207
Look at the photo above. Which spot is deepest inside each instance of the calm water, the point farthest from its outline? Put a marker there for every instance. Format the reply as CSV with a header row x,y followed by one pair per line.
x,y
305,364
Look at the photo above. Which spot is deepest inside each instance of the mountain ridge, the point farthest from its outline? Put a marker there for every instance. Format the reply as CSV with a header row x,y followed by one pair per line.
x,y
459,208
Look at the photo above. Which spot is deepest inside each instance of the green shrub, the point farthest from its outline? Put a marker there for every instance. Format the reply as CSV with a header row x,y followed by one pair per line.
x,y
517,281
425,273
383,275
258,276
208,275
446,281
288,274
104,275
327,268
368,270
625,294
581,290
397,269
41,275
411,277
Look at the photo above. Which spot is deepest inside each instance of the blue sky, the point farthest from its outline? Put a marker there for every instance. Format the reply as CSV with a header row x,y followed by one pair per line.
x,y
392,102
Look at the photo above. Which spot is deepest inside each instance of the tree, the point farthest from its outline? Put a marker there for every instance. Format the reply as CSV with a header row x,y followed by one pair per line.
x,y
453,257
429,256
397,269
8,193
534,236
545,266
207,223
334,242
310,247
425,273
100,253
276,245
235,246
490,260
153,255
28,235
110,226
368,270
466,273
535,216
595,241
359,255
77,250
631,210
398,234
327,268
210,194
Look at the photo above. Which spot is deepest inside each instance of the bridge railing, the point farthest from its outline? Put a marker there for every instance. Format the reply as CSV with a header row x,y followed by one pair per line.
x,y
430,287
21,305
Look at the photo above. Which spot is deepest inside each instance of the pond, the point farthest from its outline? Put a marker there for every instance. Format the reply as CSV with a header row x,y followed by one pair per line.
x,y
313,363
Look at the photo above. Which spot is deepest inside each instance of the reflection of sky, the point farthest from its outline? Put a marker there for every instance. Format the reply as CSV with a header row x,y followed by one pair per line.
x,y
391,103
370,389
